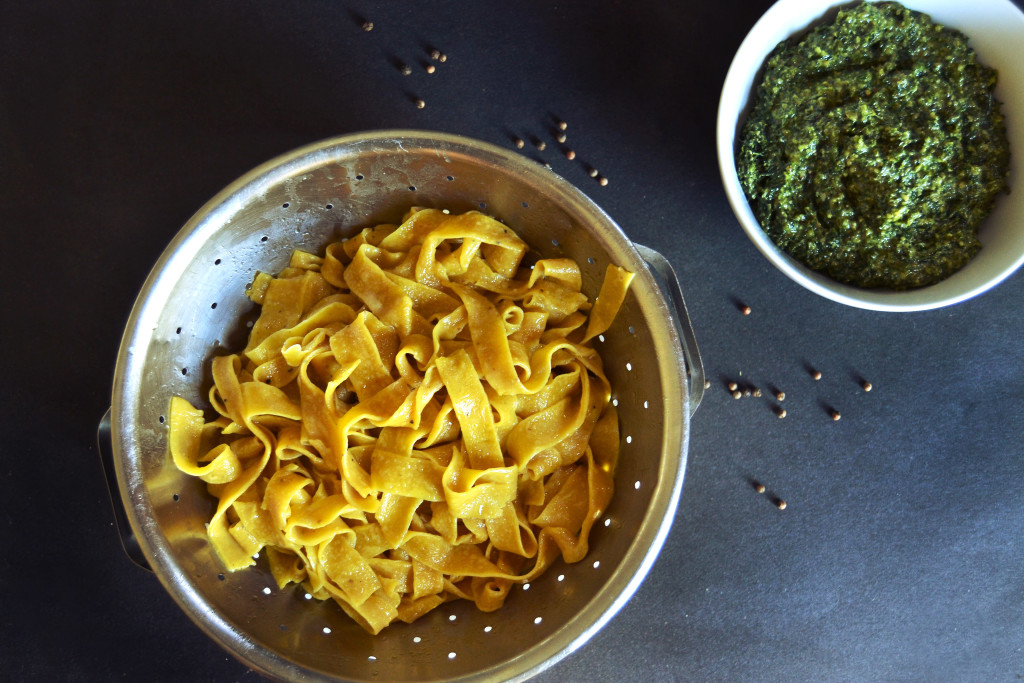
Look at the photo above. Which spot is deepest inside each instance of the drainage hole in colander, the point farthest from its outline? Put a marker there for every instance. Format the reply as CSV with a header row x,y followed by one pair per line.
x,y
327,630
451,617
220,576
555,243
525,205
482,205
600,337
636,484
359,176
646,404
266,591
177,331
629,367
283,627
608,521
264,238
451,655
412,188
285,205
308,596
184,371
487,629
176,497
161,419
449,178
526,586
629,439
538,620
631,330
590,260
416,639
561,577
329,207
597,563
216,262
615,402
213,305
372,658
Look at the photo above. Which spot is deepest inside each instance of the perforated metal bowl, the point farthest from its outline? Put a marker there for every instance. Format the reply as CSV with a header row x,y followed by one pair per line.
x,y
193,306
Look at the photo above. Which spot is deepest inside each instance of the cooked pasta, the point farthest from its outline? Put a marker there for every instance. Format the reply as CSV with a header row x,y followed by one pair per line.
x,y
418,417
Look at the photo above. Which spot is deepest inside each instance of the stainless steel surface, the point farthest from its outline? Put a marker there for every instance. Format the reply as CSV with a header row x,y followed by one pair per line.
x,y
193,306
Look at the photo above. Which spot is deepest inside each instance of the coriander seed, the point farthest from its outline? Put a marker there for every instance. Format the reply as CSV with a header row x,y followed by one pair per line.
x,y
737,394
520,143
745,310
420,104
866,385
435,54
781,412
367,25
570,155
431,68
759,488
835,415
816,375
602,181
733,386
781,504
780,395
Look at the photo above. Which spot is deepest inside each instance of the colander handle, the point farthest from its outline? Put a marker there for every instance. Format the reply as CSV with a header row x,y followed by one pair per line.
x,y
666,278
124,529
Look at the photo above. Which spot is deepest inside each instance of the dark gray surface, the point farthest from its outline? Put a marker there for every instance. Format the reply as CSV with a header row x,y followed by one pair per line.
x,y
899,554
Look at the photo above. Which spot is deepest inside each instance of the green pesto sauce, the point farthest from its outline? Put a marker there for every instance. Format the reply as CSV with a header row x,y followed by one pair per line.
x,y
874,148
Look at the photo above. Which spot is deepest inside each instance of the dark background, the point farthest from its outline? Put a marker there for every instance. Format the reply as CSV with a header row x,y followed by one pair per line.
x,y
899,554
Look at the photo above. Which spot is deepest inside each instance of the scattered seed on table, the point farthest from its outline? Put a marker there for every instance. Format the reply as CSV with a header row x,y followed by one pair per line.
x,y
747,391
431,68
561,137
835,415
592,172
540,145
406,70
442,58
866,385
745,310
602,181
562,125
759,488
520,143
816,375
435,54
420,104
707,384
570,155
781,412
781,504
733,386
737,394
367,25
757,393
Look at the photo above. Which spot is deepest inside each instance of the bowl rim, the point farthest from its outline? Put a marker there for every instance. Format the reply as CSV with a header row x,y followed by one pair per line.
x,y
736,90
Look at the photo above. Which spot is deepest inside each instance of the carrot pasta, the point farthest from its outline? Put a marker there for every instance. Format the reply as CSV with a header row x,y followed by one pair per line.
x,y
418,417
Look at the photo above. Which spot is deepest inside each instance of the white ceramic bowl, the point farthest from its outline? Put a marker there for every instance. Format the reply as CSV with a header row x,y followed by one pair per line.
x,y
995,29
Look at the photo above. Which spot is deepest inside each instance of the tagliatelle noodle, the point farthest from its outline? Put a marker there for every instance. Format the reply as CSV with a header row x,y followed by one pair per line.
x,y
417,417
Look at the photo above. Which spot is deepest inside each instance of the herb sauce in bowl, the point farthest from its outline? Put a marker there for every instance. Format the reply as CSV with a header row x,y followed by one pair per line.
x,y
874,148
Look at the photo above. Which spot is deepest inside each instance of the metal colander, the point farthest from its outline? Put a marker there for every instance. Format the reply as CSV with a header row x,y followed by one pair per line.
x,y
193,306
